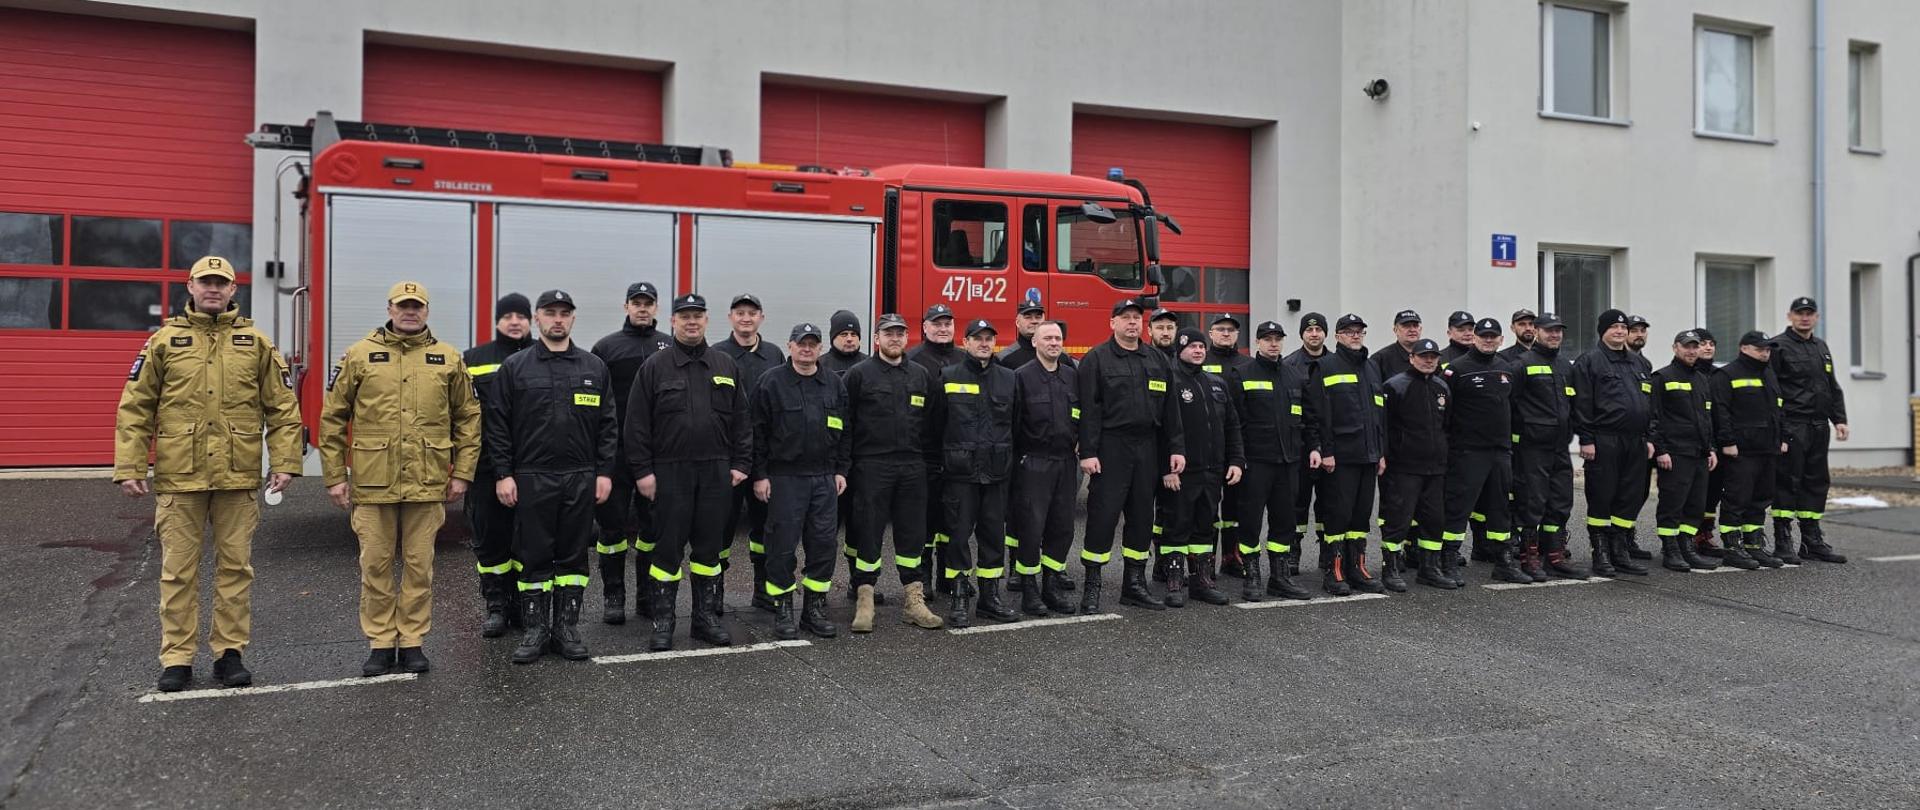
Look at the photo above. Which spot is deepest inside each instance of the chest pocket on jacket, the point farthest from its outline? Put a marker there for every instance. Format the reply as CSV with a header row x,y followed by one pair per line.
x,y
671,396
242,373
723,388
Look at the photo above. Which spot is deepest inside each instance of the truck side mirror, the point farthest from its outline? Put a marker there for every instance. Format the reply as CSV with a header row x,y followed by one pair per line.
x,y
1156,276
1171,224
1153,239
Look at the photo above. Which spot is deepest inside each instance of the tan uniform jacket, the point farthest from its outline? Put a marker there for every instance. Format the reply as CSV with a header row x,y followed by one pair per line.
x,y
201,394
414,418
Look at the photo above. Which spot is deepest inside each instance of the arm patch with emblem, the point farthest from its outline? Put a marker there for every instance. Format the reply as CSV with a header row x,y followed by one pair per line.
x,y
332,376
138,364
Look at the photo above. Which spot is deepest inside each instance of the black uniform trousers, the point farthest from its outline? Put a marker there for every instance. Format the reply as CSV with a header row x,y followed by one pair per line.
x,y
1683,498
1616,480
1543,491
1749,488
1128,478
888,491
1346,506
1267,489
978,511
625,525
756,524
690,505
1193,516
491,524
1042,504
552,522
1477,483
1407,499
936,509
1801,477
802,512
1716,483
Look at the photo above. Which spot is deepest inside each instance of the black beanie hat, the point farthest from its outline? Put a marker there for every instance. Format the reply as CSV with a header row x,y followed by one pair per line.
x,y
510,303
843,321
1609,318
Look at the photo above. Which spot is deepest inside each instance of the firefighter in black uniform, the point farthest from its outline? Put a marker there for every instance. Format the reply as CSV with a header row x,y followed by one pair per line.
x,y
752,357
1413,477
1613,403
1749,428
974,411
1346,395
845,352
889,396
1716,477
1479,448
1637,328
935,352
1682,435
1130,435
1813,400
1045,473
1389,360
490,522
1312,482
1279,434
625,518
1459,336
690,443
1215,456
1161,328
1525,331
552,440
1543,474
1223,356
800,461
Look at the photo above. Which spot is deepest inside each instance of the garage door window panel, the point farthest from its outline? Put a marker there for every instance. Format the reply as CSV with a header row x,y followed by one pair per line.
x,y
188,241
32,238
30,303
115,306
116,242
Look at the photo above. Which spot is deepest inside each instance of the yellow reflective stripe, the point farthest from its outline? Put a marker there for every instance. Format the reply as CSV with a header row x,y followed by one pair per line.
x,y
1332,380
1535,371
502,568
756,547
1379,400
1549,528
955,573
1477,517
1211,368
574,580
1569,390
1809,515
483,370
990,573
916,400
1256,385
1091,557
963,388
1646,388
1748,382
663,575
775,590
1278,547
704,570
1025,570
869,567
1074,413
1453,537
1709,404
1133,555
1011,542
1594,521
1666,532
1499,537
906,562
642,545
1429,545
834,423
816,585
720,380
1688,528
1679,386
614,548
1623,523
1156,385
586,399
534,586
1057,565
1294,409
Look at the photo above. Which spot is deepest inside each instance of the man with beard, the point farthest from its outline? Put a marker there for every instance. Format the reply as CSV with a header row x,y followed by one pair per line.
x,y
1682,436
1346,394
1716,477
625,519
751,357
888,396
1161,328
1525,332
1280,434
1543,480
1306,361
489,521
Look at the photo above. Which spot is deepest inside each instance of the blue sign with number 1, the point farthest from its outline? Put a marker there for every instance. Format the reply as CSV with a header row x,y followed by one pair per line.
x,y
1505,246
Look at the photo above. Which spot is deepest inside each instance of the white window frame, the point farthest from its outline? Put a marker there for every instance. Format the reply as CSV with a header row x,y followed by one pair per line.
x,y
1616,56
1616,273
1863,97
1865,303
1761,81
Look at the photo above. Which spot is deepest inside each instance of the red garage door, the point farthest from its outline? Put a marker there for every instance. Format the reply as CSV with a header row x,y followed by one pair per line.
x,y
838,128
1198,173
121,162
505,94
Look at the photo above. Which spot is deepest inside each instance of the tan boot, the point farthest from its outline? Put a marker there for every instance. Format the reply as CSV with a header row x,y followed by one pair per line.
x,y
863,610
913,609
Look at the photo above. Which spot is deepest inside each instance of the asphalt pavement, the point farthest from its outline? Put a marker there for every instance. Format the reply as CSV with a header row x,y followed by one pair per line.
x,y
1797,687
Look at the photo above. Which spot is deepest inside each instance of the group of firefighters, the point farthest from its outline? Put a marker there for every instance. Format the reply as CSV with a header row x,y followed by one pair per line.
x,y
650,445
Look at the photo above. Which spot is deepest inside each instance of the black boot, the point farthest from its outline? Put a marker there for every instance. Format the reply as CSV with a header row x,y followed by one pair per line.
x,y
1160,563
1333,579
1452,564
1733,553
379,662
1133,586
229,672
1783,549
493,591
784,627
1630,543
1602,559
1032,602
1250,585
1620,546
761,599
1670,554
1505,567
1201,586
1053,592
959,612
1692,557
1813,544
566,623
1703,542
1280,584
1756,547
707,599
1392,571
989,605
414,660
1176,581
535,610
1433,571
1232,564
174,678
1482,550
613,588
813,616
642,584
1783,529
1090,594
1355,557
1554,557
1293,560
661,603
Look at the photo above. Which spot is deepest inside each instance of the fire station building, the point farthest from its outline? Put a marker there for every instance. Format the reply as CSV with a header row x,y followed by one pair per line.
x,y
1698,163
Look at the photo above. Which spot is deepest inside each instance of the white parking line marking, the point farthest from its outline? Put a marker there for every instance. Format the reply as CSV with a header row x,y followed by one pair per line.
x,y
1895,558
245,691
1024,624
1514,586
1724,569
1319,600
699,653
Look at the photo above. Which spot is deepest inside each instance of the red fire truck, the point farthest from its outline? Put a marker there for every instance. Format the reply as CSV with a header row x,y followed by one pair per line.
x,y
474,215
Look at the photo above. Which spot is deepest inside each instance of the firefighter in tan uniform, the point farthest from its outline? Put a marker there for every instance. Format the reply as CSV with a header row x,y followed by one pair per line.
x,y
200,396
415,443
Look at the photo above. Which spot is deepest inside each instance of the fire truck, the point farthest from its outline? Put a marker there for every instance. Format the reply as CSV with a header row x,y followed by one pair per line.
x,y
475,215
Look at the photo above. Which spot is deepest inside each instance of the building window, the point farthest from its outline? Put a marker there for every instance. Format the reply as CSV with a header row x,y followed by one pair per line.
x,y
972,235
32,238
1727,79
1575,61
1863,327
1726,291
1863,96
1577,285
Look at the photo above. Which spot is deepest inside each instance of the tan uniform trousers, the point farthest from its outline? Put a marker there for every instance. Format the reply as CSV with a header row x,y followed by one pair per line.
x,y
408,527
180,520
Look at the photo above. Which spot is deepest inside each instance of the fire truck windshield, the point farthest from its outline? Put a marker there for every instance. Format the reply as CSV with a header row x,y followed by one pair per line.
x,y
1109,250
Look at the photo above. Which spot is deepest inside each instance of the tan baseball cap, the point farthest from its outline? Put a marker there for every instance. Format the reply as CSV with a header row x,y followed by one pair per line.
x,y
212,266
407,291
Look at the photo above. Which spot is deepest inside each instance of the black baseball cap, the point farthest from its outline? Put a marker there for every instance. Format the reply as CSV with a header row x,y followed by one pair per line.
x,y
1224,318
1349,319
1267,328
1548,320
1487,326
1688,336
938,311
1758,338
804,330
1608,318
1426,346
640,288
552,297
1312,319
891,320
1187,337
1032,305
1163,314
1705,335
979,325
1636,322
690,301
1803,303
1524,314
746,298
1125,304
1460,317
1405,316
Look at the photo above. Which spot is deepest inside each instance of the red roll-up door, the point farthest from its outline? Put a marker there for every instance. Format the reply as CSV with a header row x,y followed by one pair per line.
x,y
436,88
121,162
1198,173
839,128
